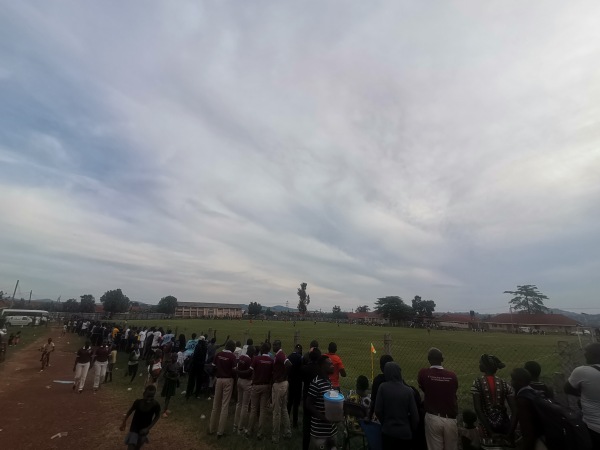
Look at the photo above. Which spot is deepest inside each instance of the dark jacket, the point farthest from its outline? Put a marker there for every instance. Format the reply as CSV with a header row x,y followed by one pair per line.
x,y
396,408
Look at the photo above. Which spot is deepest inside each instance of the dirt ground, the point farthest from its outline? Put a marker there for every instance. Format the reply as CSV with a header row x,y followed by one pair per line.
x,y
33,408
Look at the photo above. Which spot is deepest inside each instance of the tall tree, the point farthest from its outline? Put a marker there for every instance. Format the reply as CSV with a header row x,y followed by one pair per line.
x,y
254,308
87,304
393,308
423,308
71,305
167,305
528,299
304,299
115,301
336,309
269,312
363,309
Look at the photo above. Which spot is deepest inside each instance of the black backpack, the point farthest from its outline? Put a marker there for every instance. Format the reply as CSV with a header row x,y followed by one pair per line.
x,y
564,428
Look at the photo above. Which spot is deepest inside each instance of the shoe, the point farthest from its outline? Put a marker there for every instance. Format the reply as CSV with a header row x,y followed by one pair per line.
x,y
74,386
165,415
80,391
219,436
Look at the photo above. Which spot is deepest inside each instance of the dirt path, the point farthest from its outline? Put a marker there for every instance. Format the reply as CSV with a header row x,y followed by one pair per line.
x,y
35,408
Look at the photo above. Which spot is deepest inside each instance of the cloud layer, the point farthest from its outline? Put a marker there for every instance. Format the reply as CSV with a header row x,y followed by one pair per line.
x,y
228,152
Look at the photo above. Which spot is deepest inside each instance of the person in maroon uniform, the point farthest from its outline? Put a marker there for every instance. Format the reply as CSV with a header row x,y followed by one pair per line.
x,y
224,363
244,385
262,374
441,406
279,393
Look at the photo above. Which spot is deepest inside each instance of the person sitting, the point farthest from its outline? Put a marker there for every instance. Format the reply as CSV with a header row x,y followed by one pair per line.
x,y
469,436
360,396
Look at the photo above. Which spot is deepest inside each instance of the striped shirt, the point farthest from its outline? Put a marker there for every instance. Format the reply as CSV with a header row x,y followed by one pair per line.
x,y
320,428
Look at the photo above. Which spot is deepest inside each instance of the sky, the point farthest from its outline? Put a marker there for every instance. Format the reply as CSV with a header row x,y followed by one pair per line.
x,y
229,151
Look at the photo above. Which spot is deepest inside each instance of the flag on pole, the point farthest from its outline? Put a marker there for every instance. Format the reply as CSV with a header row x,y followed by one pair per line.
x,y
372,348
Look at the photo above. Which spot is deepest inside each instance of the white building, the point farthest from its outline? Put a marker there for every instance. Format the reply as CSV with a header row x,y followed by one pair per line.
x,y
191,310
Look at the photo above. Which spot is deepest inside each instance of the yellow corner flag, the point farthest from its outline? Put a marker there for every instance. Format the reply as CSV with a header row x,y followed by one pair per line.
x,y
372,348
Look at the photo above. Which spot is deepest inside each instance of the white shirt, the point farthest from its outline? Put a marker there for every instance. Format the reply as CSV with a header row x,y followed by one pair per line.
x,y
587,380
156,339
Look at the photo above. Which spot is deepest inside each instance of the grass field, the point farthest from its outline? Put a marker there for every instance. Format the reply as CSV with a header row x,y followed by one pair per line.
x,y
409,347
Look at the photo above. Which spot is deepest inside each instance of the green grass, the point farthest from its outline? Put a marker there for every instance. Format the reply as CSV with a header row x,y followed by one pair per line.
x,y
409,347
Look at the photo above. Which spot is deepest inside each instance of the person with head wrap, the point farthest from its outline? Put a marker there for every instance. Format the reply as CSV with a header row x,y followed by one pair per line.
x,y
491,394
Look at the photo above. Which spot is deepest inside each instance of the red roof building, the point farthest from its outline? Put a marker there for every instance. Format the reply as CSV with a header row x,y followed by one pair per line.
x,y
368,317
552,323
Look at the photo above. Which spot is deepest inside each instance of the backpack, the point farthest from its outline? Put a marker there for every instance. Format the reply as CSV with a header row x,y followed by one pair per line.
x,y
564,428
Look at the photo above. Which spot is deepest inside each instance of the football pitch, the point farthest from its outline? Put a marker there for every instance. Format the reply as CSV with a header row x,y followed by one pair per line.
x,y
462,349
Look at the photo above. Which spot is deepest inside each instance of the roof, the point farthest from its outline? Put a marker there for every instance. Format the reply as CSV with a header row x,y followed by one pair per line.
x,y
458,318
533,319
363,315
210,305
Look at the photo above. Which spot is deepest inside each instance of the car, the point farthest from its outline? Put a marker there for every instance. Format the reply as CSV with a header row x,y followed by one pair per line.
x,y
18,320
581,333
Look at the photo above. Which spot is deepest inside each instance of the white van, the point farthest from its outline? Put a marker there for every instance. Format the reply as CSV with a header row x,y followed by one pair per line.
x,y
18,321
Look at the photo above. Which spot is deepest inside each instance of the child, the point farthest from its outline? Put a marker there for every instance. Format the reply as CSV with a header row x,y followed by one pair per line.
x,y
112,359
147,413
133,363
171,376
469,435
361,397
154,368
46,350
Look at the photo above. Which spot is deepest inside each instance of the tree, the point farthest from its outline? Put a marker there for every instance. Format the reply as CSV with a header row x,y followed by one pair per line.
x,y
167,305
115,301
71,305
363,309
423,308
88,303
393,308
1,295
269,313
254,308
528,299
304,299
336,309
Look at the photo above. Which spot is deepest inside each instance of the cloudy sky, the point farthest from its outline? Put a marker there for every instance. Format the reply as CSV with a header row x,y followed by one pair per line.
x,y
228,151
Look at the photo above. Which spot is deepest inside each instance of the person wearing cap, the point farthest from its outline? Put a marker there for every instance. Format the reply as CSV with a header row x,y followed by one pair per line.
x,y
441,405
295,384
490,395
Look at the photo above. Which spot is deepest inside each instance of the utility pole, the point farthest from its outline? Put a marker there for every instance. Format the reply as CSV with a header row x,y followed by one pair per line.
x,y
30,292
13,296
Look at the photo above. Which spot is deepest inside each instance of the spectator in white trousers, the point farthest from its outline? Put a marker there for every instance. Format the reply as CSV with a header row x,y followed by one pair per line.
x,y
100,363
279,393
81,366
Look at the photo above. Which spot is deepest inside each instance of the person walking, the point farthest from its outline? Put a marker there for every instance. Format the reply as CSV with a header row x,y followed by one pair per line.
x,y
46,349
100,363
82,366
112,360
171,377
279,393
146,412
133,362
224,363
441,405
396,410
262,367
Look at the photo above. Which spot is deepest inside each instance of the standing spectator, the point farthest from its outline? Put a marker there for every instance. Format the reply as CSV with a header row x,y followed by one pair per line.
x,y
309,372
82,366
535,370
441,406
142,340
262,373
157,339
244,384
224,363
112,360
529,421
314,344
338,366
322,432
295,384
171,377
490,396
279,393
396,410
146,413
238,349
191,345
133,362
100,364
196,374
584,382
377,381
249,343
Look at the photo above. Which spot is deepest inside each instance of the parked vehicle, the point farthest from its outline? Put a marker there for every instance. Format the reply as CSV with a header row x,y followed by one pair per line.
x,y
18,321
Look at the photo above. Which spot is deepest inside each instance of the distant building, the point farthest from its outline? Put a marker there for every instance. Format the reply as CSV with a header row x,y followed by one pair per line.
x,y
191,310
371,318
458,321
548,323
